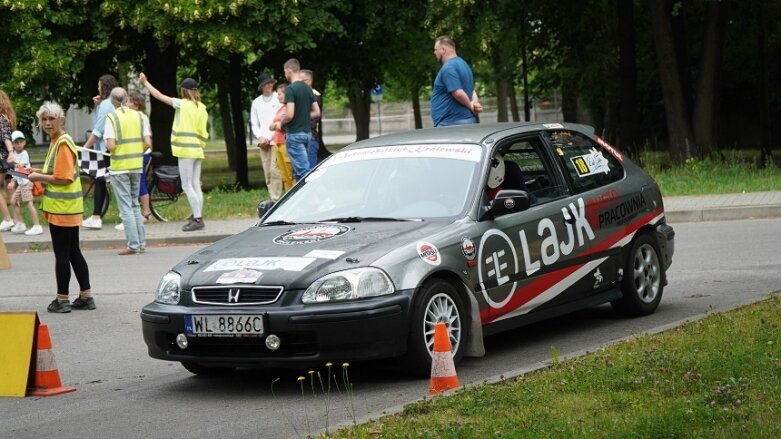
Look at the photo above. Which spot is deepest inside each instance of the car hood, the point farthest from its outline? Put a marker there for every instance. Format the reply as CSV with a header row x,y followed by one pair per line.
x,y
295,256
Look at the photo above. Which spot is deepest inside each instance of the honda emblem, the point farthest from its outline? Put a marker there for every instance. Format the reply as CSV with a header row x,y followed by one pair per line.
x,y
233,295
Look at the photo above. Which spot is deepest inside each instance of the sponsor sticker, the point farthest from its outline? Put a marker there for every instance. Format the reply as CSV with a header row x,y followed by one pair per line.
x,y
509,203
243,276
324,254
589,164
280,263
459,152
311,234
469,249
553,126
429,253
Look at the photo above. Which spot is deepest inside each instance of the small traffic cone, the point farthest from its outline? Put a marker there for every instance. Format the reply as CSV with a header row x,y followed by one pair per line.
x,y
47,378
443,370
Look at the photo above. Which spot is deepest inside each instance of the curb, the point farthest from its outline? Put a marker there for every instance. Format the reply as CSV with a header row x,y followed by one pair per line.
x,y
104,244
723,214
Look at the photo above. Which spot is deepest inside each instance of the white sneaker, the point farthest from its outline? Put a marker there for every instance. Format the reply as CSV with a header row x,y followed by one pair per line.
x,y
18,228
120,227
6,225
91,223
34,230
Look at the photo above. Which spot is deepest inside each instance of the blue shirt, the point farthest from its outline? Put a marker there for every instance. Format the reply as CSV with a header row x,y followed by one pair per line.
x,y
455,74
104,109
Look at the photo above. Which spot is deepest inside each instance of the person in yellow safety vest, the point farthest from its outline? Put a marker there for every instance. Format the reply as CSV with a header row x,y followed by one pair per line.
x,y
188,139
62,207
125,139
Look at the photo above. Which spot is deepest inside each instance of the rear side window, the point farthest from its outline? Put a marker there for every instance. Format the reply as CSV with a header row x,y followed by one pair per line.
x,y
587,163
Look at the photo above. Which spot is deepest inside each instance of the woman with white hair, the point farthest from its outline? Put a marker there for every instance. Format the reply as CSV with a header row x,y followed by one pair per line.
x,y
62,206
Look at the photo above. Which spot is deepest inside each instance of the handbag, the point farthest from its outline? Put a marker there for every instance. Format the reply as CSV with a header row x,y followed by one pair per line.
x,y
37,189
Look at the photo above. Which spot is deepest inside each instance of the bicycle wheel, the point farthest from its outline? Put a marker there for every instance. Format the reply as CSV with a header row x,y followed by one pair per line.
x,y
88,186
160,203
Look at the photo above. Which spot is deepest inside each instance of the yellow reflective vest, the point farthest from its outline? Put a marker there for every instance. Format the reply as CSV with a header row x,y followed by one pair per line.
x,y
188,135
128,155
62,199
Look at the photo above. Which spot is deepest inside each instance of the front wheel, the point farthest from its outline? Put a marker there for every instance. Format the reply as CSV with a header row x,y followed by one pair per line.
x,y
642,285
437,301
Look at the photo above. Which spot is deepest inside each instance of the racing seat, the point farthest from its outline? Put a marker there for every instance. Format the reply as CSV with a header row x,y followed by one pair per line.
x,y
514,179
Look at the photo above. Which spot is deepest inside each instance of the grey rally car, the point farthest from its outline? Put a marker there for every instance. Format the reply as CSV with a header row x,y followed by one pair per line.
x,y
484,227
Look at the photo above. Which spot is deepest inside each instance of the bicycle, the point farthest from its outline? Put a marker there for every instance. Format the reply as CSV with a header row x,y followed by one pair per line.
x,y
88,182
164,187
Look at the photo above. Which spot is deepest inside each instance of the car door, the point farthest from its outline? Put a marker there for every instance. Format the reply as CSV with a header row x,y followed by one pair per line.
x,y
519,253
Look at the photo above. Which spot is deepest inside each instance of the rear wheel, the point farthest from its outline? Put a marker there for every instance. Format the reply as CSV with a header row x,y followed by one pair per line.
x,y
642,285
438,300
200,369
160,203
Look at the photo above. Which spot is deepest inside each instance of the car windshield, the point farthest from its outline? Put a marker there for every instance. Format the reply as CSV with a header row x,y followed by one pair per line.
x,y
408,182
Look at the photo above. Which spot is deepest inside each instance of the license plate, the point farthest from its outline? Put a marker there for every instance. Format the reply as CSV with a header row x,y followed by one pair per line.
x,y
219,325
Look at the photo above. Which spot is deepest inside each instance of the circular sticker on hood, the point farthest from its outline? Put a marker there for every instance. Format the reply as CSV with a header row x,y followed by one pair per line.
x,y
311,234
429,253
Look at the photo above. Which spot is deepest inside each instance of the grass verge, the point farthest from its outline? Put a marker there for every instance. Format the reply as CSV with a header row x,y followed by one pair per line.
x,y
719,377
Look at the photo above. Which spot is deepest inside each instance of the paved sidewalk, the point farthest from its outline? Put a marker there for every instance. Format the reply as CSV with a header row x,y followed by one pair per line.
x,y
678,209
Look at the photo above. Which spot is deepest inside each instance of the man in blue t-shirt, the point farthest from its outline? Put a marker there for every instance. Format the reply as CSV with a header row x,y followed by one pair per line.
x,y
453,98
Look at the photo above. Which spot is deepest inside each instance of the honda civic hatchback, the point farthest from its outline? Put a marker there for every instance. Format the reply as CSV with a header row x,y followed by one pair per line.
x,y
483,227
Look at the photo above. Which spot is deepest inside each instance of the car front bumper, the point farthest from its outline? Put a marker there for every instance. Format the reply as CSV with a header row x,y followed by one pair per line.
x,y
309,334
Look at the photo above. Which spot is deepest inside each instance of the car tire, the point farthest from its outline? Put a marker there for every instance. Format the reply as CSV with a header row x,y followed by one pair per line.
x,y
437,300
643,281
201,370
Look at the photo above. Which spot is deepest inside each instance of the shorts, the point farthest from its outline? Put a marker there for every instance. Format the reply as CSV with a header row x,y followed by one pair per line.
x,y
25,192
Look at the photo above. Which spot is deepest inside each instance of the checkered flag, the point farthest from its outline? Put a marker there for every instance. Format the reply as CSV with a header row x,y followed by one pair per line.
x,y
93,163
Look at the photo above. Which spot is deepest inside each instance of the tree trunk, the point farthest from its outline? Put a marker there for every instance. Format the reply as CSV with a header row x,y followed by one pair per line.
x,y
360,102
416,108
678,129
681,55
627,65
707,104
765,140
239,125
501,100
160,67
223,98
514,104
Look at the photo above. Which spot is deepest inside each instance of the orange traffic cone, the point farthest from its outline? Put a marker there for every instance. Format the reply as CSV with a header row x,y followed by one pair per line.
x,y
47,377
443,370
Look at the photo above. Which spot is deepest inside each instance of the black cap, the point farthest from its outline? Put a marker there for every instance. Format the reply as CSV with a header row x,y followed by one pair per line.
x,y
264,79
189,84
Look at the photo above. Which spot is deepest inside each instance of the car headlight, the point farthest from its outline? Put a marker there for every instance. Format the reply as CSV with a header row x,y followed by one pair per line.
x,y
357,283
169,289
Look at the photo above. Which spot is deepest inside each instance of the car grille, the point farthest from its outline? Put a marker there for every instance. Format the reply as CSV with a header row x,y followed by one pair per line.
x,y
236,295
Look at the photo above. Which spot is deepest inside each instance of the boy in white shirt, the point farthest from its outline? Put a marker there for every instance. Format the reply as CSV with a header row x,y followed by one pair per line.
x,y
24,190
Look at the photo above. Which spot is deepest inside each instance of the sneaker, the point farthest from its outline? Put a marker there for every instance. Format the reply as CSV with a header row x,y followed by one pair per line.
x,y
34,230
6,225
88,303
120,227
128,251
92,223
195,224
59,307
18,228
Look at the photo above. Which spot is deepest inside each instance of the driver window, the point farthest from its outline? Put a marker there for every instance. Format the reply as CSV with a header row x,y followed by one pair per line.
x,y
526,170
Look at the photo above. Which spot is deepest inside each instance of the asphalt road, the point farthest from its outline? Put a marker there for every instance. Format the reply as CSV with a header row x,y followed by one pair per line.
x,y
124,393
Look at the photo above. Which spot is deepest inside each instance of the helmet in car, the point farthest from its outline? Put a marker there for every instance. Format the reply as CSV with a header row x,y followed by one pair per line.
x,y
496,173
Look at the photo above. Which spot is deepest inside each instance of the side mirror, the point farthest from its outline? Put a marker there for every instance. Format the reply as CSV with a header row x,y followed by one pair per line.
x,y
264,206
507,201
